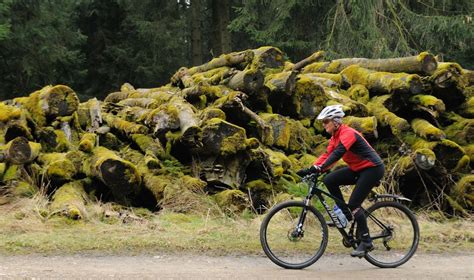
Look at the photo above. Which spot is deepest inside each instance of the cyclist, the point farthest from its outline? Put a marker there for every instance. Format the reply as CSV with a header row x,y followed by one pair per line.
x,y
364,168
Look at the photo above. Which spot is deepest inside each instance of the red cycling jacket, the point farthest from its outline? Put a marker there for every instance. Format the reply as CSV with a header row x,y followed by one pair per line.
x,y
349,144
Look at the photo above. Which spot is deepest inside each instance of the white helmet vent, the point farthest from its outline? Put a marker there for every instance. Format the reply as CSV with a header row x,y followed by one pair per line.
x,y
331,112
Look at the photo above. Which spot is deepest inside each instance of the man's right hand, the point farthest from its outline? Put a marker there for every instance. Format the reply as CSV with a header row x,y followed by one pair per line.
x,y
306,171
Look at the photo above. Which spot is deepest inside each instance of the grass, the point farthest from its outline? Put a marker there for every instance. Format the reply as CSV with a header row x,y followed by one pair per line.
x,y
26,230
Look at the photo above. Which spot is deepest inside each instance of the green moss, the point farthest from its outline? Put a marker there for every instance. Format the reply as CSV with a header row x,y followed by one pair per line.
x,y
223,137
315,67
58,167
405,164
428,101
11,173
359,93
231,201
426,130
365,125
87,142
8,112
280,163
334,67
308,100
69,200
461,130
385,117
258,186
3,168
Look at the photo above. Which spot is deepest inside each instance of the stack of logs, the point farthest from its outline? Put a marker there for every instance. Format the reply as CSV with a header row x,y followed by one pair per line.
x,y
237,128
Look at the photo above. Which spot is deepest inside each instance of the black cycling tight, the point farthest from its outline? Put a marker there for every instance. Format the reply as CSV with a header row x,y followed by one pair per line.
x,y
364,181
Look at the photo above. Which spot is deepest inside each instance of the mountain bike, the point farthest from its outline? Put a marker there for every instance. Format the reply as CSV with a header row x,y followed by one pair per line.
x,y
294,234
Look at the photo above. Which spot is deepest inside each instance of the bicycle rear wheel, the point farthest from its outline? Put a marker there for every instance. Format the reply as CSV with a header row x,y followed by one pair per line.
x,y
281,242
395,234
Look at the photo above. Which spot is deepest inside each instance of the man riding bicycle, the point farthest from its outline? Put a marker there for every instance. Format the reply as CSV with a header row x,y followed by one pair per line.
x,y
364,168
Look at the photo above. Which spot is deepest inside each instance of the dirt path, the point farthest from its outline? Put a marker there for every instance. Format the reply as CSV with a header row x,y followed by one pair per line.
x,y
453,266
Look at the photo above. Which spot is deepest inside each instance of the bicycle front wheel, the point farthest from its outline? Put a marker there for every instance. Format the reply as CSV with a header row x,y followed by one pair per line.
x,y
288,245
395,234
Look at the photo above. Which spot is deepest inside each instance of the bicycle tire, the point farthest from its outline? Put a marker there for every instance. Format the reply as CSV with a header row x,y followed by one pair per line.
x,y
281,252
405,230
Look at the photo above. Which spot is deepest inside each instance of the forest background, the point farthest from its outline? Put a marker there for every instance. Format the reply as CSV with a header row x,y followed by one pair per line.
x,y
94,46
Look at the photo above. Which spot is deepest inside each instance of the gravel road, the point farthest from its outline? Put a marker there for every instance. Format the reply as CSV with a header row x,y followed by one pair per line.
x,y
174,266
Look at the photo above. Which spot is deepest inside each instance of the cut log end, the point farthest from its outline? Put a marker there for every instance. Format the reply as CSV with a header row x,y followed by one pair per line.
x,y
429,64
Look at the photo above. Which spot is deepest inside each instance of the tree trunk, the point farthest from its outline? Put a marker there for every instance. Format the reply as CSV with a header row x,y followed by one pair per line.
x,y
365,125
249,81
424,63
125,127
70,200
448,84
386,118
196,32
315,57
267,57
121,176
50,102
58,168
220,37
426,130
20,151
384,82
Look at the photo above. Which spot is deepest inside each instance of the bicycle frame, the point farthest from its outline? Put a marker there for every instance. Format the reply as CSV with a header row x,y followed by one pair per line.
x,y
348,236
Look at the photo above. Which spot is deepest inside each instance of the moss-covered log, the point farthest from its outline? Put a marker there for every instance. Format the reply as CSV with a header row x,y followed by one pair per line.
x,y
123,126
148,144
448,153
120,175
249,80
148,103
50,102
70,200
315,57
365,125
426,130
424,63
232,59
429,104
231,201
386,118
58,168
463,192
306,102
358,93
220,137
267,57
384,82
20,151
281,83
448,84
461,130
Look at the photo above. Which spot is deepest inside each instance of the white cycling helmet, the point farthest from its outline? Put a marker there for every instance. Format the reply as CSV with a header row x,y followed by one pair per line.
x,y
331,112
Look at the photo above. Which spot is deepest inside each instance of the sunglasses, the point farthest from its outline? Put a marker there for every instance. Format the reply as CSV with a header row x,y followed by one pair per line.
x,y
326,121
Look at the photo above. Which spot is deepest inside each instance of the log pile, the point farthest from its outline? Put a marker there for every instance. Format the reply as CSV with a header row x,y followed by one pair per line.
x,y
237,128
